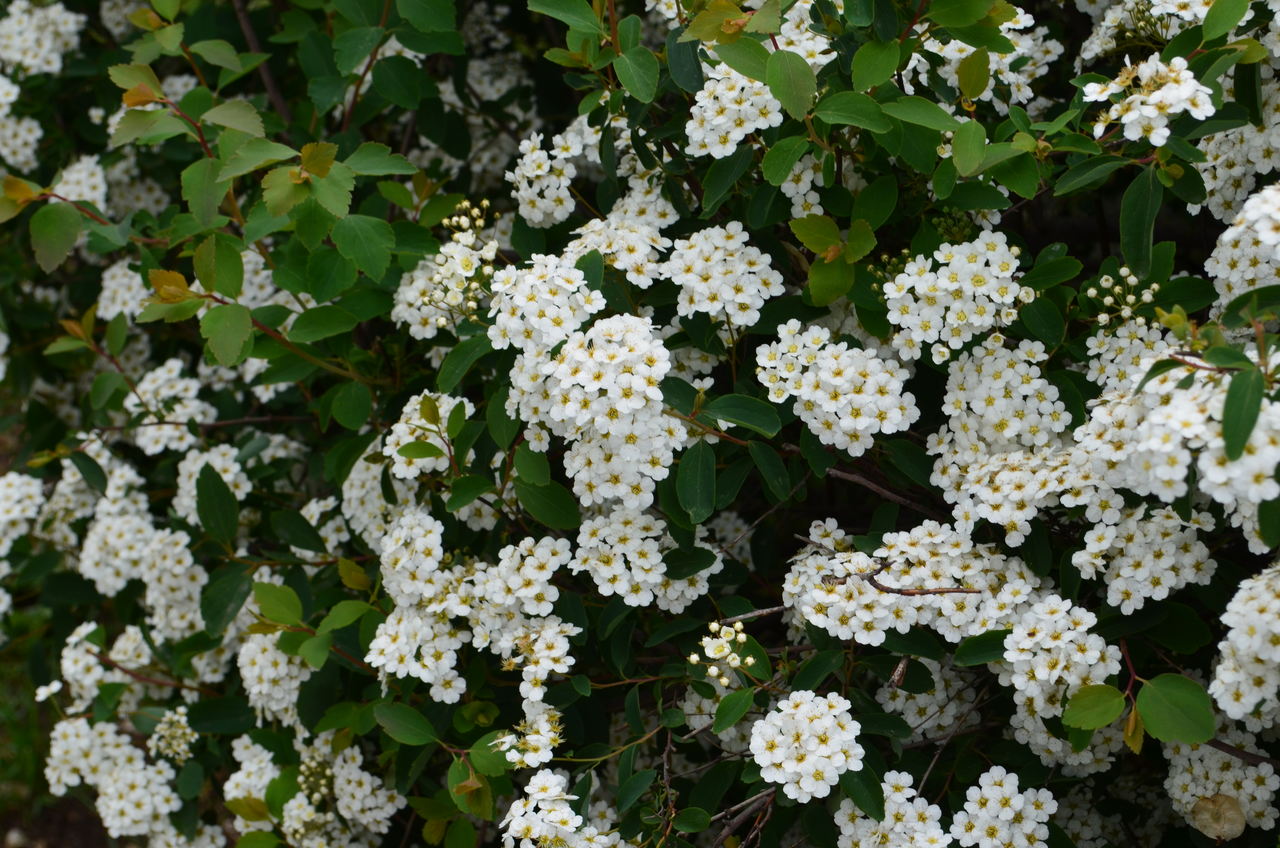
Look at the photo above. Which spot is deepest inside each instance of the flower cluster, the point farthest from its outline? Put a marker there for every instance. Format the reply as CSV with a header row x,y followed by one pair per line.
x,y
908,819
1247,676
19,134
961,292
996,814
1147,96
722,647
1147,554
173,736
845,394
35,39
1201,776
1247,255
728,108
601,393
1048,656
445,288
1011,73
545,816
805,743
419,442
721,275
623,552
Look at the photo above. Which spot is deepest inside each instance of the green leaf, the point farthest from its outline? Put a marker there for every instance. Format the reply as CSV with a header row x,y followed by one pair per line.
x,y
54,230
746,56
352,47
859,241
829,281
376,160
1044,320
278,603
696,482
429,15
968,145
398,79
215,51
1176,709
404,724
532,466
924,113
853,109
280,192
745,411
343,614
218,264
551,504
576,13
864,789
816,232
352,404
419,450
874,63
781,158
131,76
91,471
692,820
732,708
631,789
981,649
683,62
333,190
236,114
1094,706
791,81
222,598
1222,17
637,70
1087,173
292,528
975,73
813,671
958,13
772,469
465,489
322,322
216,506
315,651
227,329
458,361
258,839
1138,210
486,759
203,191
1269,522
366,241
875,203
254,154
1240,410
106,386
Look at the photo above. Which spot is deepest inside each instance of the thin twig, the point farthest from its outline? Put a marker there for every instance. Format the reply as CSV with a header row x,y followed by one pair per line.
x,y
251,38
755,614
1240,754
887,494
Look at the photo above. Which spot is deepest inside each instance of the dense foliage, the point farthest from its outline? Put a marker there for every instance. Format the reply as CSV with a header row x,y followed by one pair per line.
x,y
665,423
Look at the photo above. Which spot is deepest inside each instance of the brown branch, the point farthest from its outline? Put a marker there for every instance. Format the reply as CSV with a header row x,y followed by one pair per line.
x,y
368,66
1240,754
154,681
251,38
887,494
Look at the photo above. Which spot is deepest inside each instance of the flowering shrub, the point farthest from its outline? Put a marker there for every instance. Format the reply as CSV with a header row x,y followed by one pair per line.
x,y
645,423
